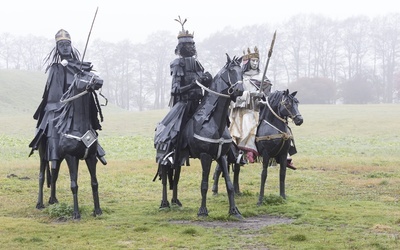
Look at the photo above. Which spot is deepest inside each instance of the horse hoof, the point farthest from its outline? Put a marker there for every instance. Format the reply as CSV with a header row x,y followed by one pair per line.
x,y
164,204
53,200
203,212
176,202
40,206
97,212
238,216
76,216
236,213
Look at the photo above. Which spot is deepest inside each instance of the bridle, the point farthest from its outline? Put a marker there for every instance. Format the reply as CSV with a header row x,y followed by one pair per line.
x,y
231,88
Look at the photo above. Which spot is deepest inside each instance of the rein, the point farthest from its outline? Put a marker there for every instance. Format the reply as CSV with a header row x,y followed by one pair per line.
x,y
74,97
211,91
273,112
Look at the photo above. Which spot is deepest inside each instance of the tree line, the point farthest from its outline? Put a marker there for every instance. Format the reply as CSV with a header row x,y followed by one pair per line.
x,y
328,61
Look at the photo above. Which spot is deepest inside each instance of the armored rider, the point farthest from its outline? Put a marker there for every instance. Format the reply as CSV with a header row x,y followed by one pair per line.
x,y
185,98
244,114
62,64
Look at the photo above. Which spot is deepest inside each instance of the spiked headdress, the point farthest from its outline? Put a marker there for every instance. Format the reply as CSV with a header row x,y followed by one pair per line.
x,y
184,36
250,54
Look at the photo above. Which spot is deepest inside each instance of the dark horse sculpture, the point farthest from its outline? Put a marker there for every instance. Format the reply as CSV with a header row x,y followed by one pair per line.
x,y
274,137
207,135
77,126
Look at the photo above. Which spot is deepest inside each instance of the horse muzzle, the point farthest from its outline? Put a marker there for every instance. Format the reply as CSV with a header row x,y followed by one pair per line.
x,y
298,120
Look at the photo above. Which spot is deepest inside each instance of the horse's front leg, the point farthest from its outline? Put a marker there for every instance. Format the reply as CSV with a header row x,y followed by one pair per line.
x,y
264,175
44,165
233,210
55,169
177,174
217,174
91,163
282,175
164,179
206,161
73,163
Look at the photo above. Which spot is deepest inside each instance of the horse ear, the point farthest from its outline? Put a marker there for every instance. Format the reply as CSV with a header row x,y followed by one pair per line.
x,y
228,59
286,92
293,94
240,59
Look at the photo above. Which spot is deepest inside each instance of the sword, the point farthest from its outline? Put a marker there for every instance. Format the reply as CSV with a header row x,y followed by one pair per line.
x,y
269,57
87,40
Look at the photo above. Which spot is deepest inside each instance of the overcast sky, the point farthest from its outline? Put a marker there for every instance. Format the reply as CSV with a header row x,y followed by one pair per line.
x,y
135,20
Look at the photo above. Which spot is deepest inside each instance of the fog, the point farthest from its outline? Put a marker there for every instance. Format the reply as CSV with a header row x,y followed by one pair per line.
x,y
136,20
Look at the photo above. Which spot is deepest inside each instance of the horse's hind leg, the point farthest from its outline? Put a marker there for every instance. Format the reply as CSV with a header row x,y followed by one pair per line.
x,y
206,165
177,174
91,163
217,174
73,164
236,172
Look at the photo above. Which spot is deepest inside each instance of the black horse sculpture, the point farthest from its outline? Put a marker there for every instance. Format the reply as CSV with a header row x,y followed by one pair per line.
x,y
77,126
274,137
207,134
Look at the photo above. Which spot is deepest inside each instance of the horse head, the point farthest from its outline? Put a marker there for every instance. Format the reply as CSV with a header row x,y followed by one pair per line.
x,y
232,77
85,80
288,107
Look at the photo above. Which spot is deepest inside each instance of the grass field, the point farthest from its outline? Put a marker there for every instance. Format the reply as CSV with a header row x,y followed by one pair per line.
x,y
344,195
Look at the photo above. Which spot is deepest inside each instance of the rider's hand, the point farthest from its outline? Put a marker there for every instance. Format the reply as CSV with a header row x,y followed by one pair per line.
x,y
206,79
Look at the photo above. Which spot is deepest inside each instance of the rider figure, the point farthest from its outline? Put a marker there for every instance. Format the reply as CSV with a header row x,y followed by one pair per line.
x,y
185,98
244,114
62,64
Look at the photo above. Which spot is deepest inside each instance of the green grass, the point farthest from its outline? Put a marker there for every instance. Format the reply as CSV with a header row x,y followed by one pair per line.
x,y
344,195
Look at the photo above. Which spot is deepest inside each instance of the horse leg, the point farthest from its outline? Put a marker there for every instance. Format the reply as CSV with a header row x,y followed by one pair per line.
x,y
282,175
233,210
73,163
55,169
264,175
177,174
91,163
164,179
44,165
236,172
206,161
217,174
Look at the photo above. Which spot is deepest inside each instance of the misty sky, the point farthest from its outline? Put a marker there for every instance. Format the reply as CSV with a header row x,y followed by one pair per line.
x,y
135,20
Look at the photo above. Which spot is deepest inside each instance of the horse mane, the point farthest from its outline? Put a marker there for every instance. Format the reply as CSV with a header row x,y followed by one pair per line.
x,y
275,97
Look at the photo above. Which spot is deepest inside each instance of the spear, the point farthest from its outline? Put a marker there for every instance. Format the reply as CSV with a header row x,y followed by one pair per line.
x,y
90,31
269,57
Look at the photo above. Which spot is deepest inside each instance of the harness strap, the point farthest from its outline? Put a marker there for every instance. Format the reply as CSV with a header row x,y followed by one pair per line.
x,y
220,141
284,136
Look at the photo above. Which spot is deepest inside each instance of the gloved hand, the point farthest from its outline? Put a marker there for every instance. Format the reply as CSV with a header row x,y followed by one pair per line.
x,y
206,79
